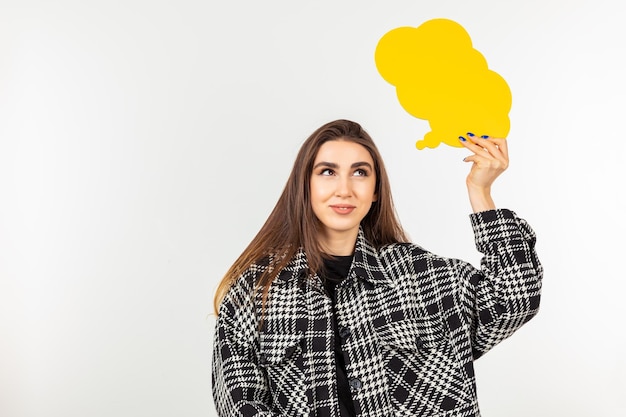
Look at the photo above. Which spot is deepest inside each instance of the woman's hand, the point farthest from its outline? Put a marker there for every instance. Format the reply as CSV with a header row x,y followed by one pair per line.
x,y
489,159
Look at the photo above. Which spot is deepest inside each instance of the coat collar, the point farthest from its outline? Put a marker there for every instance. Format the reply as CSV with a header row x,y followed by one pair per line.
x,y
366,264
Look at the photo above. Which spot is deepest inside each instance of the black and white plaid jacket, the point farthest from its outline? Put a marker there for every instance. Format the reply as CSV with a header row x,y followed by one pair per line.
x,y
411,325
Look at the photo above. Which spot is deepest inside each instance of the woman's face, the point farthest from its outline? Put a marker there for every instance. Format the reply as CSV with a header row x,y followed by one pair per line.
x,y
343,184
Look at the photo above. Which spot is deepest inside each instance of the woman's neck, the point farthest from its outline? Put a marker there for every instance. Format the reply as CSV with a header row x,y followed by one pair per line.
x,y
338,244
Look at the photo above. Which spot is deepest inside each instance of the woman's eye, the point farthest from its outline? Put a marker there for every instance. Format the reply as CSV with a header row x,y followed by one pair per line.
x,y
327,171
360,173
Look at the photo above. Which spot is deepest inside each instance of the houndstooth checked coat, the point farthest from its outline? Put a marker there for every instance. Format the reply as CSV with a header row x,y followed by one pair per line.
x,y
411,325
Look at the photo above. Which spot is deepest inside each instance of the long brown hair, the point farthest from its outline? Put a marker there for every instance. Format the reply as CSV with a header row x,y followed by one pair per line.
x,y
293,225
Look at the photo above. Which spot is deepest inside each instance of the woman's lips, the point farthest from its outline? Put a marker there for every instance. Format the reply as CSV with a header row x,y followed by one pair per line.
x,y
342,208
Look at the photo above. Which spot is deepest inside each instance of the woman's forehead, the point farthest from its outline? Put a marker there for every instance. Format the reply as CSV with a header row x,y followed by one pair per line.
x,y
343,151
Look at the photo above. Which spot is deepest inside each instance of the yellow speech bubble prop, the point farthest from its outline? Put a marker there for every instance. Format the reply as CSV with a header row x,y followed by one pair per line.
x,y
441,78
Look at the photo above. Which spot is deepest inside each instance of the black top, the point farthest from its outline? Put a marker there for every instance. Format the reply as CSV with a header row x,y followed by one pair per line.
x,y
336,270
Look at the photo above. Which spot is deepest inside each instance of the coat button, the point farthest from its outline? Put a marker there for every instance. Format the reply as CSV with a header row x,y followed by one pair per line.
x,y
289,352
355,384
344,332
263,359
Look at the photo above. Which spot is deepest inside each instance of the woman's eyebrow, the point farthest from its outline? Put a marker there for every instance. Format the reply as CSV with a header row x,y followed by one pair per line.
x,y
334,165
326,164
362,164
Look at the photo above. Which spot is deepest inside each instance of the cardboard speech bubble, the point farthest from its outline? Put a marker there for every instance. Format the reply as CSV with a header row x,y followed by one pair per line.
x,y
441,78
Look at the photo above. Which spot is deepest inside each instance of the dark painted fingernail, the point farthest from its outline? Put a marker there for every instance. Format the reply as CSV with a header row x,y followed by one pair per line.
x,y
462,138
470,134
485,137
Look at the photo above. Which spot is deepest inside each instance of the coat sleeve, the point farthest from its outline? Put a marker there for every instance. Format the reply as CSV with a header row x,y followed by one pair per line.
x,y
239,385
504,294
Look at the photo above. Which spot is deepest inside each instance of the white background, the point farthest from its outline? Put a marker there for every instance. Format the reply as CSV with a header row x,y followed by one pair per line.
x,y
143,144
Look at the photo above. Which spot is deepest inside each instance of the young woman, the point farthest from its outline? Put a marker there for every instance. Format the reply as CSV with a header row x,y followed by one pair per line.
x,y
330,312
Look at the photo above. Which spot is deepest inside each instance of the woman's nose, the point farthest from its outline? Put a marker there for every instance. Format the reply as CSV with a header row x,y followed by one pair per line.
x,y
343,187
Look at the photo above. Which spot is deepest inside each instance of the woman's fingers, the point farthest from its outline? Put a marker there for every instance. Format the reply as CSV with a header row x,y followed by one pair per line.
x,y
486,162
472,143
496,146
486,146
489,159
502,147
